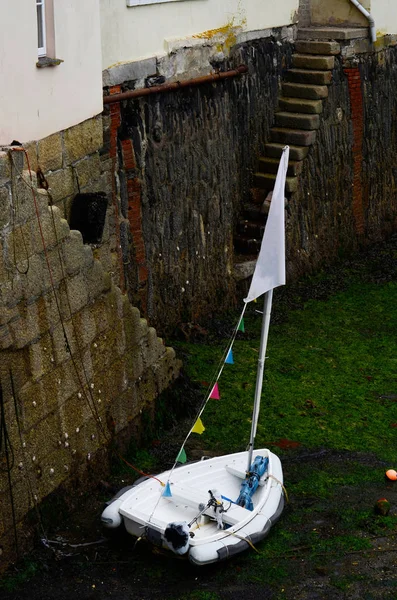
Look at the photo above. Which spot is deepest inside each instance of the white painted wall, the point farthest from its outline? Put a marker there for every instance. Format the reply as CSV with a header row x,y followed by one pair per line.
x,y
385,14
37,102
129,34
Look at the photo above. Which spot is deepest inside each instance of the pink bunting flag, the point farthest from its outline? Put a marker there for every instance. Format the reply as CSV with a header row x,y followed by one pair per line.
x,y
215,392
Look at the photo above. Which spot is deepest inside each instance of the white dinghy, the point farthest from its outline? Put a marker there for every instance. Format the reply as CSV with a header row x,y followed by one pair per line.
x,y
213,509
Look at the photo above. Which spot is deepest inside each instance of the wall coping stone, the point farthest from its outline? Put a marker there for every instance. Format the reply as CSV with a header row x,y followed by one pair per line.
x,y
129,71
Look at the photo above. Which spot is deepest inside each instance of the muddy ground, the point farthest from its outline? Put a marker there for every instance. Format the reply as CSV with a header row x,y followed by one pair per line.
x,y
122,569
356,558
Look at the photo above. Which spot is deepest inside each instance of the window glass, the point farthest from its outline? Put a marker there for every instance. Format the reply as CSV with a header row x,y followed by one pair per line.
x,y
41,27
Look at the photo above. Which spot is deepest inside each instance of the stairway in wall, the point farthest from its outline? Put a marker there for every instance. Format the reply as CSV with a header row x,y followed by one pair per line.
x,y
303,91
298,117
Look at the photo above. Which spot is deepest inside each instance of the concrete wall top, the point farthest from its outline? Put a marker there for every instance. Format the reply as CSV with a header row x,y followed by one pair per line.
x,y
36,102
136,32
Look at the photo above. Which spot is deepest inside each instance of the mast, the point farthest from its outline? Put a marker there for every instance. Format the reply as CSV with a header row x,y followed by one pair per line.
x,y
267,309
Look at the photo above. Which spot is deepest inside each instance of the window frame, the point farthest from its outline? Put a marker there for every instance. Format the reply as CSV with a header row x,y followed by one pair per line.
x,y
147,2
41,50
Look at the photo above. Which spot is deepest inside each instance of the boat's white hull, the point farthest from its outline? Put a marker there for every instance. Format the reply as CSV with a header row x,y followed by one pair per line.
x,y
145,512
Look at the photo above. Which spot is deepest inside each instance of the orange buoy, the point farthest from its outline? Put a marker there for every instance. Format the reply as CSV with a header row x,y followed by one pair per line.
x,y
391,474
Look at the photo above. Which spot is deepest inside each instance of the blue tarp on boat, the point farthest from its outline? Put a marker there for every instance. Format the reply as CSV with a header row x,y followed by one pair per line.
x,y
248,487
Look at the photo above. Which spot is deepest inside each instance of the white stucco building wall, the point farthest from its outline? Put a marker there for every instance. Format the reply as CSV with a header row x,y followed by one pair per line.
x,y
37,102
137,32
385,14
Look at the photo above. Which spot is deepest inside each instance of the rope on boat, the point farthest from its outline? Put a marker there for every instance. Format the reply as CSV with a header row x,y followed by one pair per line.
x,y
282,485
240,537
214,380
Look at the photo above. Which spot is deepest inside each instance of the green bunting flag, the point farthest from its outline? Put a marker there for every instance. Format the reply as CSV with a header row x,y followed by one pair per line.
x,y
182,458
241,326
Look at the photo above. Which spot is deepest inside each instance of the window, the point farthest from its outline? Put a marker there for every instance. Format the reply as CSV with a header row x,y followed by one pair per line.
x,y
46,34
141,2
41,28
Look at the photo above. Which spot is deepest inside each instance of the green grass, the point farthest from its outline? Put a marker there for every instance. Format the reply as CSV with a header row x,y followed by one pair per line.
x,y
330,383
329,371
27,568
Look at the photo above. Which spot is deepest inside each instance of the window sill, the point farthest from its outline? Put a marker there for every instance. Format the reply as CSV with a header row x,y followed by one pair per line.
x,y
45,61
146,2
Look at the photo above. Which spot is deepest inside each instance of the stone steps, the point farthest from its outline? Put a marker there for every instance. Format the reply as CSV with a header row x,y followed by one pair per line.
x,y
323,48
300,90
267,164
255,212
299,105
297,137
267,180
247,244
332,33
304,88
295,152
297,120
251,229
310,77
316,62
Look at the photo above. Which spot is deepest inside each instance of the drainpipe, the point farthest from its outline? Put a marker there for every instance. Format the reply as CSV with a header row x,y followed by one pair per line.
x,y
368,16
176,85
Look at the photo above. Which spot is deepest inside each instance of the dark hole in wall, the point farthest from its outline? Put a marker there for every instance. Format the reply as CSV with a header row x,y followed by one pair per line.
x,y
88,213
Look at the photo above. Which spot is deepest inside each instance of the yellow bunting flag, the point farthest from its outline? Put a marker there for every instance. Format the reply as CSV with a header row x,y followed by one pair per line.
x,y
198,427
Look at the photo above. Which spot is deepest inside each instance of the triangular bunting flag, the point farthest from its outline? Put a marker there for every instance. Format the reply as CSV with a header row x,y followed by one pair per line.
x,y
215,392
241,326
167,491
198,427
182,458
229,358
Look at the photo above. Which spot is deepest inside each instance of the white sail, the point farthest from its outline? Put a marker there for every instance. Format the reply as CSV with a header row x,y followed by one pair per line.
x,y
270,266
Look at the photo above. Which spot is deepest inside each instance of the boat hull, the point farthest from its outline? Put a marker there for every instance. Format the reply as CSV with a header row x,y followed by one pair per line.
x,y
146,512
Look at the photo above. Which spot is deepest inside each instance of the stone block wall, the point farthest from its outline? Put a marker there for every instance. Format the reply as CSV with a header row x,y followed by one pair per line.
x,y
71,161
77,362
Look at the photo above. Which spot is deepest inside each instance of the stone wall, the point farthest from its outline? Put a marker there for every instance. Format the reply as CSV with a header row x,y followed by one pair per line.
x,y
348,194
78,363
72,161
185,164
185,160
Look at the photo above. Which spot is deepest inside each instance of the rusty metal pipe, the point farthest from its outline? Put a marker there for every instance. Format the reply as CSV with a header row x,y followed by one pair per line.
x,y
176,85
